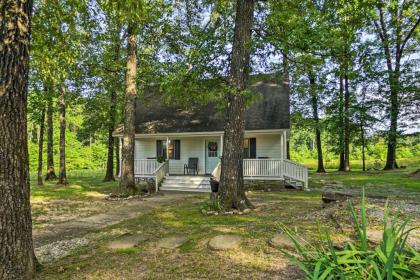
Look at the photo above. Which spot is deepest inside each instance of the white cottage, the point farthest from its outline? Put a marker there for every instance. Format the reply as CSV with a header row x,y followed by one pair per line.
x,y
168,138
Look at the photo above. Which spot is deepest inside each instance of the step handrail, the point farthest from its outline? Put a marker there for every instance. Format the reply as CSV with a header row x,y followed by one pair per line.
x,y
160,173
296,171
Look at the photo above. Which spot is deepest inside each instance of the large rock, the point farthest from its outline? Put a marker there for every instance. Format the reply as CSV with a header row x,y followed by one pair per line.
x,y
225,242
171,242
332,195
281,241
126,242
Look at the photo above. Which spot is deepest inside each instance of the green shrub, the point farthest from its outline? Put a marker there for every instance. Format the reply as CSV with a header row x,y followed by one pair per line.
x,y
393,258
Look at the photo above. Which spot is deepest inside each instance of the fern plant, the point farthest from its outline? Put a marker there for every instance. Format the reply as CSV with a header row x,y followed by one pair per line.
x,y
391,259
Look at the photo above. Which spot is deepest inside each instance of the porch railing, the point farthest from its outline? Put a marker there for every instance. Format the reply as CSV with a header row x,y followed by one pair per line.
x,y
160,173
144,167
260,168
263,168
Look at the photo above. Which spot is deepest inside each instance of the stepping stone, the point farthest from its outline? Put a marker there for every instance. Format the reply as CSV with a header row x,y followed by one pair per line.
x,y
281,241
225,242
172,242
125,242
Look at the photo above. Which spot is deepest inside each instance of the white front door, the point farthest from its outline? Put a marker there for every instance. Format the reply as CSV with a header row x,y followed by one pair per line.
x,y
212,154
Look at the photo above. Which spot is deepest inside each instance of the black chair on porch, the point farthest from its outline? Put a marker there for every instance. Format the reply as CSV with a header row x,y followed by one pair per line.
x,y
191,165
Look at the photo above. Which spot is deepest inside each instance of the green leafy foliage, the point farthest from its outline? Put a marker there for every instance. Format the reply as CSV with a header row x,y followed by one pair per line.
x,y
393,258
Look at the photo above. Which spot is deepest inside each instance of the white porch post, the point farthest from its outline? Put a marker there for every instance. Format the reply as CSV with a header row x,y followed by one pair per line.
x,y
284,144
221,145
167,148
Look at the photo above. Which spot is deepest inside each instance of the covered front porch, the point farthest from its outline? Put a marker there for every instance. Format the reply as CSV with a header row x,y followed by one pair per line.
x,y
162,155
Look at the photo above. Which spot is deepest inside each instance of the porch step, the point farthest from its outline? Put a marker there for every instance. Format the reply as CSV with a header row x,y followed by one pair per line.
x,y
296,184
186,184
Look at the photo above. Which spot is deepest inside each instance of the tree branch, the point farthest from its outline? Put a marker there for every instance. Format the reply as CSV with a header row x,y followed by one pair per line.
x,y
410,33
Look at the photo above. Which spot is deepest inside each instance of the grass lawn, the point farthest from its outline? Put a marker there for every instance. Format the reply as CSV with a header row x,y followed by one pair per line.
x,y
255,259
386,183
52,203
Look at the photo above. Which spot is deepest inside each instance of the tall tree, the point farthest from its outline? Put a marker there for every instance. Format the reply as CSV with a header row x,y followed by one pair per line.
x,y
314,102
138,17
112,114
50,142
232,192
41,146
16,250
395,25
127,183
62,174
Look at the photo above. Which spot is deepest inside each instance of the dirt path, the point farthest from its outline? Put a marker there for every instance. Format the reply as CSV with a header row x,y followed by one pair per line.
x,y
126,210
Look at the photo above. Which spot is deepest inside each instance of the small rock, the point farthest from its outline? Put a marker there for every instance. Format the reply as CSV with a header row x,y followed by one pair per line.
x,y
210,212
281,241
225,242
203,211
240,213
257,209
216,213
229,213
269,189
235,211
247,210
172,242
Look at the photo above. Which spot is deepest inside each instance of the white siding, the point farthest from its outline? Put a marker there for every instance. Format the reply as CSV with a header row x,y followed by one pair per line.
x,y
145,148
268,145
190,147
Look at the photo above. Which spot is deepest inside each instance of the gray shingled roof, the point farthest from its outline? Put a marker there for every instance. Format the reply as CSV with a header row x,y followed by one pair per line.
x,y
269,111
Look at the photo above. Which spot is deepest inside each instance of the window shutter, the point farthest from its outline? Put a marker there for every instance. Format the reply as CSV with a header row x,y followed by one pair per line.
x,y
159,151
252,148
177,147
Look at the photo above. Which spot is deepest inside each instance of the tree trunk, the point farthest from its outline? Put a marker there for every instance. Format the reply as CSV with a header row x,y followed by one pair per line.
x,y
314,101
41,146
17,259
341,124
391,162
127,183
117,157
62,176
109,176
232,194
346,124
50,146
362,136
